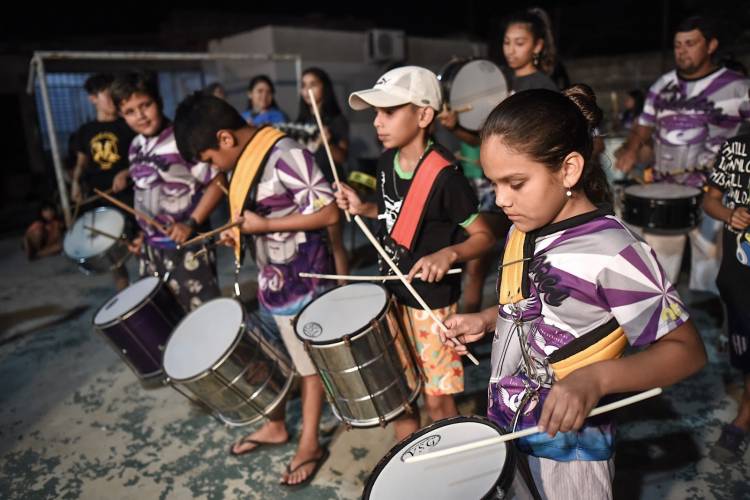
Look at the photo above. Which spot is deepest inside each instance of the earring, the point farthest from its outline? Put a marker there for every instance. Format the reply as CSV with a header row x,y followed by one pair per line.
x,y
569,193
535,60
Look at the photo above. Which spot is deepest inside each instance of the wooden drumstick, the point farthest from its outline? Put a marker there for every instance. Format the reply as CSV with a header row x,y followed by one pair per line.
x,y
210,233
356,277
102,233
325,143
223,189
96,196
528,432
464,109
132,211
404,281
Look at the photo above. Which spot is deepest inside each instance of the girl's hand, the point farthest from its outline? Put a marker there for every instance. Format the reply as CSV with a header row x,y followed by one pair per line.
x,y
570,401
462,329
434,266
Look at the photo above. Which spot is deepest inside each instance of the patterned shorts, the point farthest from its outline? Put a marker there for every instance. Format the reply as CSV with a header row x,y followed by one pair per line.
x,y
192,279
441,365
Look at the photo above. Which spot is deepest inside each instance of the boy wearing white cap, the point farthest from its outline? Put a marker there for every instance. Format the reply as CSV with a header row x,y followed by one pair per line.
x,y
429,222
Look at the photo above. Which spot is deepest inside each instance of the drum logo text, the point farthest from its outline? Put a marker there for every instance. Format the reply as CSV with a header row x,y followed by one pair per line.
x,y
312,329
421,446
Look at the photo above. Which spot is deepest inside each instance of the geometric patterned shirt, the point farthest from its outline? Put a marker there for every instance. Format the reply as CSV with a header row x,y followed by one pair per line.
x,y
692,118
290,183
586,273
167,187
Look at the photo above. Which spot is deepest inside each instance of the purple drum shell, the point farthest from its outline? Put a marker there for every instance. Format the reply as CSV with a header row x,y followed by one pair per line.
x,y
140,335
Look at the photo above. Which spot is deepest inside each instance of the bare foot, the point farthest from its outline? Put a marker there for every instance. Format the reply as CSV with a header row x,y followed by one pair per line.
x,y
270,432
299,473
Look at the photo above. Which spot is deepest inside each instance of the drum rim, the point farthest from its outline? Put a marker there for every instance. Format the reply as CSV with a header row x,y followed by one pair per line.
x,y
221,359
351,336
161,282
697,194
510,462
97,209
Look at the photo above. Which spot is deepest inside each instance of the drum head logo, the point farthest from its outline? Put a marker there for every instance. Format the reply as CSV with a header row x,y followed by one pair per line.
x,y
312,330
421,446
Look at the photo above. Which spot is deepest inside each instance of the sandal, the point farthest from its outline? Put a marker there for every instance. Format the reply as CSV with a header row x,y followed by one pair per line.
x,y
318,463
258,445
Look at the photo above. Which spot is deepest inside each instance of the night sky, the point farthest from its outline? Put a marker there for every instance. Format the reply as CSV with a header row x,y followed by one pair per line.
x,y
582,27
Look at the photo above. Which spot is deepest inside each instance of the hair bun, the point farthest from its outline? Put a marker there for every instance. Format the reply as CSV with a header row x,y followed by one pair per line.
x,y
584,98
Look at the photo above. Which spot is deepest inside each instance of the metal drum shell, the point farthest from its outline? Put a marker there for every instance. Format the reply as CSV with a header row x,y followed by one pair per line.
x,y
111,258
370,376
245,384
669,216
140,335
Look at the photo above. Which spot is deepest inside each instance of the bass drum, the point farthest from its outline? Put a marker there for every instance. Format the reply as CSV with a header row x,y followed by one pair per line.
x,y
473,88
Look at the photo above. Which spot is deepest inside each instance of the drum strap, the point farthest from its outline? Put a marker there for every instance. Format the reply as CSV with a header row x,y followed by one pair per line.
x,y
421,190
514,278
246,175
608,341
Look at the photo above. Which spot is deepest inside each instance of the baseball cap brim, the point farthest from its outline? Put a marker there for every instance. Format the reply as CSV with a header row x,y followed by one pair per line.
x,y
376,98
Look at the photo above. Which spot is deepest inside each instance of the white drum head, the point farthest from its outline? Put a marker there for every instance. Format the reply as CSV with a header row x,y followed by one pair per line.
x,y
342,311
662,190
126,300
481,85
470,474
81,243
202,338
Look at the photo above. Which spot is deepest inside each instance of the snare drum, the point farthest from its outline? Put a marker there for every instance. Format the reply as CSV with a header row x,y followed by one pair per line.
x,y
355,340
473,88
215,358
485,473
663,207
97,252
137,323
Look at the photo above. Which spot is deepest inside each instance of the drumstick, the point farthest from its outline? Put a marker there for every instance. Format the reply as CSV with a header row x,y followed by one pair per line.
x,y
356,277
533,430
325,143
76,210
210,233
95,197
223,189
466,108
403,279
100,232
131,210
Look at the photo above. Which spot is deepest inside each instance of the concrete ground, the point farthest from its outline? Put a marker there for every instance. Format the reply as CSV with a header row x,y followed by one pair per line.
x,y
75,422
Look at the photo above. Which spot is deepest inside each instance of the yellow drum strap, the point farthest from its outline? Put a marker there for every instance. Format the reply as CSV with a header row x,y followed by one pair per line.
x,y
245,174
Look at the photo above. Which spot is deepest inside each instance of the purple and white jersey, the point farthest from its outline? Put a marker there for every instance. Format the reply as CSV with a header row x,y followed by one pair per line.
x,y
291,183
166,186
586,273
693,118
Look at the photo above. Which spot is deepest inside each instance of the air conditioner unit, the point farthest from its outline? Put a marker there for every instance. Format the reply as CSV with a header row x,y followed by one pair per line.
x,y
385,46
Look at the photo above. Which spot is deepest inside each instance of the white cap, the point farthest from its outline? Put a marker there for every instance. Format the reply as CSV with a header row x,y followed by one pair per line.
x,y
408,84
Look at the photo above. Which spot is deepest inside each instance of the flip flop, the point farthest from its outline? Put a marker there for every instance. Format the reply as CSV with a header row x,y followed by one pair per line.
x,y
258,445
318,463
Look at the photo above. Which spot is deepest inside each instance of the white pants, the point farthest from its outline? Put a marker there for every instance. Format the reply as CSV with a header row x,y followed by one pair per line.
x,y
566,480
705,251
